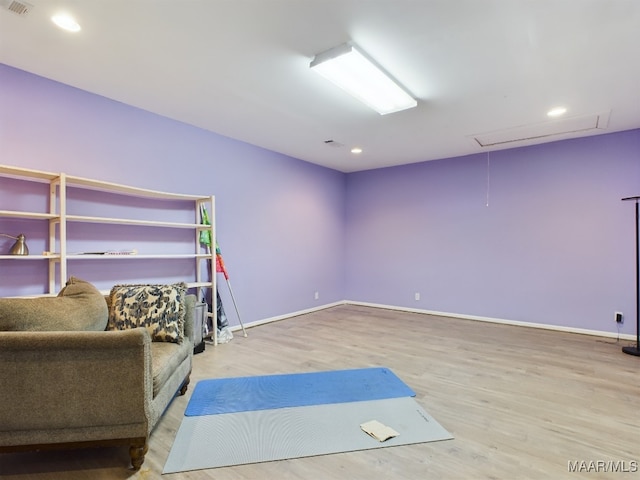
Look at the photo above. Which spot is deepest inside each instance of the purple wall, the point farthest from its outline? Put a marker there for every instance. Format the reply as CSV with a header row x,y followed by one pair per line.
x,y
280,220
555,245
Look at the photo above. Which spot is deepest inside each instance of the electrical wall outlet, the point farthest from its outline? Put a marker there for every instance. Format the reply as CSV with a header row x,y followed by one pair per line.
x,y
417,296
316,295
619,317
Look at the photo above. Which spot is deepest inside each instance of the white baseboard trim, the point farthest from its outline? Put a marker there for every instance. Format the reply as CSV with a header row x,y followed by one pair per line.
x,y
582,331
236,328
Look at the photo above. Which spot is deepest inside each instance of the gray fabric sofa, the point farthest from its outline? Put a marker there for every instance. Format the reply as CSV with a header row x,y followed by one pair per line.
x,y
68,387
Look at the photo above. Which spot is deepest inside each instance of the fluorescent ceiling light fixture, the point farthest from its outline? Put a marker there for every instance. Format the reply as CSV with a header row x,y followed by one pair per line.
x,y
66,22
556,112
356,150
352,71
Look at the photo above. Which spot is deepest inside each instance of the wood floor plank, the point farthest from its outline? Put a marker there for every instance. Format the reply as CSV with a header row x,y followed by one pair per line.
x,y
522,403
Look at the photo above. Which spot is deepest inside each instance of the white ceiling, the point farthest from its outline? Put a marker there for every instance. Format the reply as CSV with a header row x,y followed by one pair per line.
x,y
241,68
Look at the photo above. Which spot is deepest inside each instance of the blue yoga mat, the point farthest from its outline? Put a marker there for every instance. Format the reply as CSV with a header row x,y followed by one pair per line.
x,y
244,394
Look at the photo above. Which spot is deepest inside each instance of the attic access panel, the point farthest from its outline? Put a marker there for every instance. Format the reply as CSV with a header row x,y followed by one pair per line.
x,y
565,126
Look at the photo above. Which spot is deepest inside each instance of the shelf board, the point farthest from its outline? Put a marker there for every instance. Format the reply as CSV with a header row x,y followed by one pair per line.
x,y
128,190
26,173
28,215
30,257
35,295
73,181
127,221
189,285
112,256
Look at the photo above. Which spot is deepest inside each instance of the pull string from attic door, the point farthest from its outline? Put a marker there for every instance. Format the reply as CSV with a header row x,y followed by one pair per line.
x,y
488,178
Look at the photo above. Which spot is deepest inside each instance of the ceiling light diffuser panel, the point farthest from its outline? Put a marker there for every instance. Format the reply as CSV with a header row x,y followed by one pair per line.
x,y
352,71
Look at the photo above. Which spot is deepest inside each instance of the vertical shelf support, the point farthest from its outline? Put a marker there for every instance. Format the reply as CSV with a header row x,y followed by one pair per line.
x,y
208,203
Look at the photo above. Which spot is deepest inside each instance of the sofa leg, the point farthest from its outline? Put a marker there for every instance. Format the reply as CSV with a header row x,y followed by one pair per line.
x,y
185,385
137,453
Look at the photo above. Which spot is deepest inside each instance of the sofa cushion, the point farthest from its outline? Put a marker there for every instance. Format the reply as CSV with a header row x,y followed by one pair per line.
x,y
158,308
79,306
165,359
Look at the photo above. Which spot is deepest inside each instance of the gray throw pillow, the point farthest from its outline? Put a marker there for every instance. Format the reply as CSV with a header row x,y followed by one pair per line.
x,y
79,306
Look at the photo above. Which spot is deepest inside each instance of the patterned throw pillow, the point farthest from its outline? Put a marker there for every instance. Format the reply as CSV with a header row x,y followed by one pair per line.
x,y
158,308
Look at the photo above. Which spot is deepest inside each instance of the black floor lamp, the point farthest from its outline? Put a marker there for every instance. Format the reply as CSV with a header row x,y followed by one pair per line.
x,y
636,350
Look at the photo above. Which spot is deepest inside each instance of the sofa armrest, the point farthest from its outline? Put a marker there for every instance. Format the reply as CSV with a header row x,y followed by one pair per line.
x,y
52,380
189,312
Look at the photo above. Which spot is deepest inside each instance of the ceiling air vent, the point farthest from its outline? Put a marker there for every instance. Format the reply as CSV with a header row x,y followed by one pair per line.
x,y
333,143
572,126
19,8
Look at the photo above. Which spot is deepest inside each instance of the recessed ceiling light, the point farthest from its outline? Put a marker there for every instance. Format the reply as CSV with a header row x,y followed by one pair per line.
x,y
356,150
556,111
66,22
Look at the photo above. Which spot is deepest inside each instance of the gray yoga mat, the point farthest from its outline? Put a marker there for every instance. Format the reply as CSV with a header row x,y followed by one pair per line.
x,y
212,441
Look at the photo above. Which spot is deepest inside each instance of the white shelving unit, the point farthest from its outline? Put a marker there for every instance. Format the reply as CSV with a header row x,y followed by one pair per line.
x,y
61,262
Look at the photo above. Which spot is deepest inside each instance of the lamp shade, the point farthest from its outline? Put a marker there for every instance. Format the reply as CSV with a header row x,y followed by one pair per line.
x,y
18,248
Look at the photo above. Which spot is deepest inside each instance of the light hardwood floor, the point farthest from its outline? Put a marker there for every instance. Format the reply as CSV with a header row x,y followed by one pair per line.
x,y
521,403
